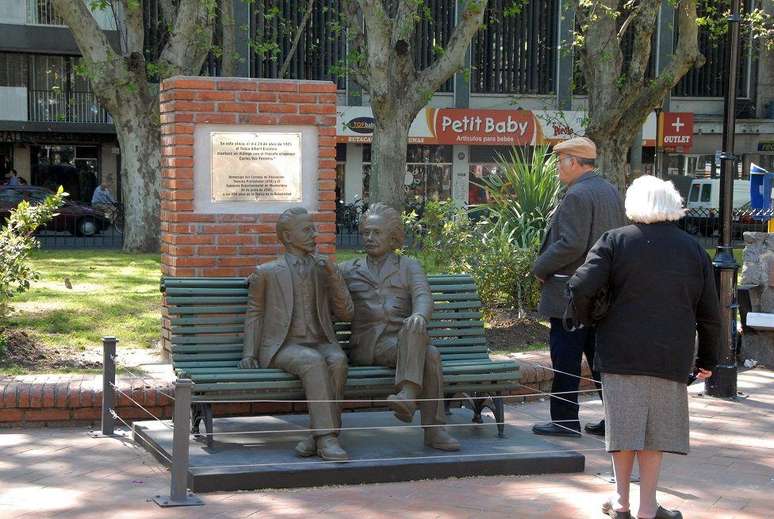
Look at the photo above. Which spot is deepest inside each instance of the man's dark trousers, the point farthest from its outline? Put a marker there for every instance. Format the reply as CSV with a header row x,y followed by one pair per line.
x,y
567,350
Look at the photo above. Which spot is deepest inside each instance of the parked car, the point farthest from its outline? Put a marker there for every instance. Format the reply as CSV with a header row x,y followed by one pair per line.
x,y
77,219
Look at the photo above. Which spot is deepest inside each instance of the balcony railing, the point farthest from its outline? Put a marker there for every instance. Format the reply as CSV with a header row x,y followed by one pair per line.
x,y
41,12
66,107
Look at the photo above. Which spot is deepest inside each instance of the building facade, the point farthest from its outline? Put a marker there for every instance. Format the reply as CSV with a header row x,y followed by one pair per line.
x,y
52,129
520,79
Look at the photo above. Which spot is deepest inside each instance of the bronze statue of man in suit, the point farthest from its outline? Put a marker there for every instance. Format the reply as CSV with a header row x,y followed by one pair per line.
x,y
288,326
393,306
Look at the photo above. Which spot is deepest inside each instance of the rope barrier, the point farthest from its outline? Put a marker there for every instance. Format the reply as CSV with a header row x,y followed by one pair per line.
x,y
144,381
160,453
404,458
140,406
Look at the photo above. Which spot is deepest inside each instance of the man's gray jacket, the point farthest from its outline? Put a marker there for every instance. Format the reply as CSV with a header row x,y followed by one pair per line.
x,y
590,207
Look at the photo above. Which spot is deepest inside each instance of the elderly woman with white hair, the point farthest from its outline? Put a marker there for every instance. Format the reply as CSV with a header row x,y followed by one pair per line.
x,y
659,285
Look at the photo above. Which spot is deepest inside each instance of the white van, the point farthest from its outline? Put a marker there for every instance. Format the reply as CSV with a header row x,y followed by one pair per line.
x,y
705,193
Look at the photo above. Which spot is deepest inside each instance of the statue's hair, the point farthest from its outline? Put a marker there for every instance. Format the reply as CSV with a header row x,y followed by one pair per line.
x,y
392,219
285,220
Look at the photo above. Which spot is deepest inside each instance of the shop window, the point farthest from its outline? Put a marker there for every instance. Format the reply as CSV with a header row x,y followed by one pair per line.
x,y
428,172
76,168
476,173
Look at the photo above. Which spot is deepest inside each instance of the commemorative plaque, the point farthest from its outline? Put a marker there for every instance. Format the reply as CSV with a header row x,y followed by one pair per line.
x,y
255,167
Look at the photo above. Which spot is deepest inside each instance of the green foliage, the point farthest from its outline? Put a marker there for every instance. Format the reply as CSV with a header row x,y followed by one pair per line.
x,y
522,194
496,243
16,243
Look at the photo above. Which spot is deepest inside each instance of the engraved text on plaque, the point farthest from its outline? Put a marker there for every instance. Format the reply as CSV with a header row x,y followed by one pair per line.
x,y
255,167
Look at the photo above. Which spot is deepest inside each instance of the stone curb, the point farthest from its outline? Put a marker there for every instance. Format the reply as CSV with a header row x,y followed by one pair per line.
x,y
43,400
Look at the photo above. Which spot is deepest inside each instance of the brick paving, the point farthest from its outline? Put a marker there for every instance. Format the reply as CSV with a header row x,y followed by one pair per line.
x,y
62,472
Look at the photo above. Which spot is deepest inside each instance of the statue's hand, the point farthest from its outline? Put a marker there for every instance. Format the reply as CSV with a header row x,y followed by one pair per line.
x,y
416,323
248,363
327,265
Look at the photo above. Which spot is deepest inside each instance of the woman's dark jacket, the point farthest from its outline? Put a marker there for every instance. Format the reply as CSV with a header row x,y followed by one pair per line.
x,y
662,291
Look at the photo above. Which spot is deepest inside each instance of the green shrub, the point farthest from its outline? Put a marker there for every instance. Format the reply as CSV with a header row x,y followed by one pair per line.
x,y
16,243
499,249
522,194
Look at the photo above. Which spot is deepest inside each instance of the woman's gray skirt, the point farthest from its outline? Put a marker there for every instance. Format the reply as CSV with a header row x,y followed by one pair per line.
x,y
645,413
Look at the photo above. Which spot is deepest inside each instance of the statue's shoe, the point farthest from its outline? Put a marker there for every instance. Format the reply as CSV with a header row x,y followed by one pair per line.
x,y
306,447
329,449
438,438
402,407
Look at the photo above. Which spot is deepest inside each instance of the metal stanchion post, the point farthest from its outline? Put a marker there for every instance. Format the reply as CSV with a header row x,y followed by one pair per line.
x,y
108,389
722,383
179,495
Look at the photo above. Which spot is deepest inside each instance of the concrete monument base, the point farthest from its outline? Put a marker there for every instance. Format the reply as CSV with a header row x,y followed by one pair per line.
x,y
243,461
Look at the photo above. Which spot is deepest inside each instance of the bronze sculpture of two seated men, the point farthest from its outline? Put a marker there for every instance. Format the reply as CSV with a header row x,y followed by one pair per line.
x,y
293,300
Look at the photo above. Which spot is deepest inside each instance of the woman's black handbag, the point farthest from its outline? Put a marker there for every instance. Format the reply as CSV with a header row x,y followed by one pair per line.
x,y
583,311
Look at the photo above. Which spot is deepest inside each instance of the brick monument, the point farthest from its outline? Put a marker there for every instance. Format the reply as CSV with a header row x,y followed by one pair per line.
x,y
218,209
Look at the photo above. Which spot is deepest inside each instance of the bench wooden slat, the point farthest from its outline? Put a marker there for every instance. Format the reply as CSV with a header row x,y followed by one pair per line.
x,y
238,374
456,306
207,339
205,300
456,332
462,287
195,292
187,330
461,296
205,310
182,322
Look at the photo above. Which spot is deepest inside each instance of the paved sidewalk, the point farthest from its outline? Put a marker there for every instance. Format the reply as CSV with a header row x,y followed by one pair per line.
x,y
729,474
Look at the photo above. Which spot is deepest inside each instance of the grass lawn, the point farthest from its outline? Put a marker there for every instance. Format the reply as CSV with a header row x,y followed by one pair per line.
x,y
113,293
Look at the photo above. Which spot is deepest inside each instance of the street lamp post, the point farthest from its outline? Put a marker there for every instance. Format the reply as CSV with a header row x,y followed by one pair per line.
x,y
723,380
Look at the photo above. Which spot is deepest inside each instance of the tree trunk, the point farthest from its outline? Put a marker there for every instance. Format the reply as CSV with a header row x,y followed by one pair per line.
x,y
388,161
228,31
611,158
140,140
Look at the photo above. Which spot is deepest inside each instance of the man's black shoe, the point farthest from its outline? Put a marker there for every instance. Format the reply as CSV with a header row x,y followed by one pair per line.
x,y
597,429
552,429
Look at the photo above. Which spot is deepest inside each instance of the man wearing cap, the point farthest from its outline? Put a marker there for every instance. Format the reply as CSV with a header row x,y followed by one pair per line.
x,y
591,206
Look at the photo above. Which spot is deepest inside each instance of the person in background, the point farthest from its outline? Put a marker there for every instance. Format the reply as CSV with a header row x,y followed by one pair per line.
x,y
590,207
104,202
14,179
661,293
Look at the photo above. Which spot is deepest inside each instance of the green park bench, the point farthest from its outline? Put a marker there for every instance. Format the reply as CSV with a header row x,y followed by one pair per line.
x,y
206,317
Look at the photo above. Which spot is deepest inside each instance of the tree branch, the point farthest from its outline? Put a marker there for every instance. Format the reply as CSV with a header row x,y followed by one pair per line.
x,y
228,30
431,78
133,22
296,39
93,44
378,29
353,20
685,57
190,40
647,13
405,20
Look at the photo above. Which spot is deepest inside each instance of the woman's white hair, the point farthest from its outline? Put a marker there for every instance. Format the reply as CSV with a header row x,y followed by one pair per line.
x,y
652,200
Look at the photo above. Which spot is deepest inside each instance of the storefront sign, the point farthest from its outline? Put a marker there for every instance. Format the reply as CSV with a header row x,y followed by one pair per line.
x,y
255,167
677,131
481,127
766,146
355,124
